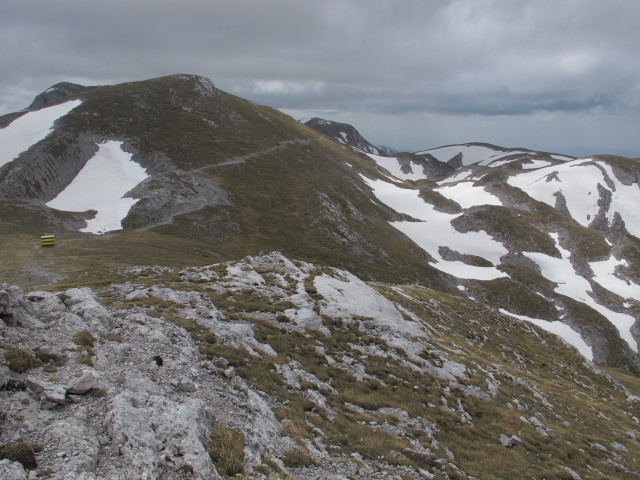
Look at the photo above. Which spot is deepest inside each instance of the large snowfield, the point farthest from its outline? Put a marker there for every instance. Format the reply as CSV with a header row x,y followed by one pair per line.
x,y
29,129
468,195
580,183
101,185
434,230
392,165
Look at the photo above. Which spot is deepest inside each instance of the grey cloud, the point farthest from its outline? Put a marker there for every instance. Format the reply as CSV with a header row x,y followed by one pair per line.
x,y
462,57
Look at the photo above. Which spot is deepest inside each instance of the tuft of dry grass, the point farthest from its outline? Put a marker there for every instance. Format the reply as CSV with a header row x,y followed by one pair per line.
x,y
226,449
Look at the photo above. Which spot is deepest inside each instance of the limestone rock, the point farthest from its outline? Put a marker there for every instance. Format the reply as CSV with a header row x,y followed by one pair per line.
x,y
49,394
153,433
82,384
510,442
83,302
12,470
79,443
15,310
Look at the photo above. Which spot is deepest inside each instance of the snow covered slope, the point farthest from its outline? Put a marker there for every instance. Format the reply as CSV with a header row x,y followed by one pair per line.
x,y
435,231
101,185
29,129
589,190
478,232
408,166
487,155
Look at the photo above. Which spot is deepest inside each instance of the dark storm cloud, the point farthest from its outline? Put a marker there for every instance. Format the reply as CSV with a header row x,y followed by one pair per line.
x,y
463,57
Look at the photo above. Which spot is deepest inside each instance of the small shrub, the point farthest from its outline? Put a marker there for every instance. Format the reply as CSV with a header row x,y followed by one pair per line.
x,y
208,337
298,458
97,393
226,450
20,360
51,358
20,452
85,359
84,339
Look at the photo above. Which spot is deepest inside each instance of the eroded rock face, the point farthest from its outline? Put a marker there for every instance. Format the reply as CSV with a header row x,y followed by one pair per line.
x,y
14,309
153,433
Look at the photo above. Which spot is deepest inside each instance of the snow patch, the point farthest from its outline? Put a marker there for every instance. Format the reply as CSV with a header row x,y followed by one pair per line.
x,y
535,164
604,275
565,332
467,195
461,175
101,185
392,165
29,129
569,283
564,158
435,230
500,163
578,182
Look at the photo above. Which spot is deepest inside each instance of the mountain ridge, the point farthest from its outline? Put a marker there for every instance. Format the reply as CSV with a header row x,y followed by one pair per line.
x,y
440,267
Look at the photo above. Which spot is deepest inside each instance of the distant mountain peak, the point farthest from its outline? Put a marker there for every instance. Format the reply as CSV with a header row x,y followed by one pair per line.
x,y
343,133
56,92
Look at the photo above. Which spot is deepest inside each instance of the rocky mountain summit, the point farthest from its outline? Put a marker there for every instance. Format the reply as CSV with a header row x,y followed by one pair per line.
x,y
343,133
273,368
55,93
467,311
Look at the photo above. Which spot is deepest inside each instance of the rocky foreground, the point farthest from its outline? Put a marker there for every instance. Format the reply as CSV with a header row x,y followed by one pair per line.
x,y
273,369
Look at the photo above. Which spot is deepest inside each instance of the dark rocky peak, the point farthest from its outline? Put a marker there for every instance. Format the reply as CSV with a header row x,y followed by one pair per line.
x,y
343,133
387,150
55,93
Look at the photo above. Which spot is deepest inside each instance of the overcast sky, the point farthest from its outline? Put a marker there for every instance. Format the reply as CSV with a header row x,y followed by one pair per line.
x,y
544,74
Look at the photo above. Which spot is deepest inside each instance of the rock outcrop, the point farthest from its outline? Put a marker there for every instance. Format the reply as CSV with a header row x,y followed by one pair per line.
x,y
278,368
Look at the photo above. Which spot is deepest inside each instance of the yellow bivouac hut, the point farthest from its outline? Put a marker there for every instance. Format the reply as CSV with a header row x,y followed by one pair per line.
x,y
47,240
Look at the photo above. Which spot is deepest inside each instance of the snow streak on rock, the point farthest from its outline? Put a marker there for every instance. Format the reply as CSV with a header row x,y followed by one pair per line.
x,y
560,329
569,283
